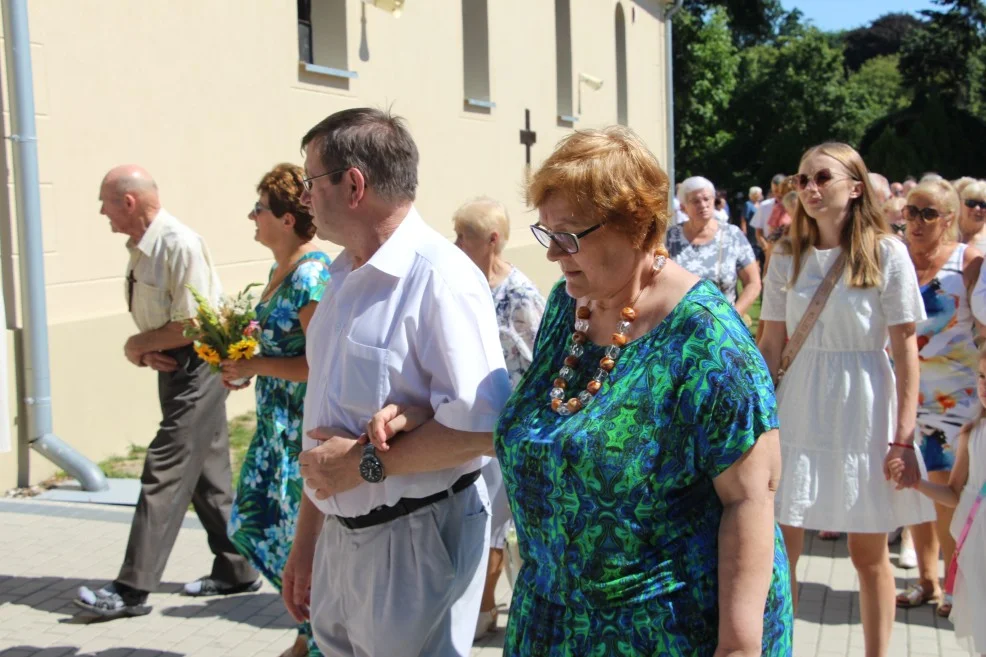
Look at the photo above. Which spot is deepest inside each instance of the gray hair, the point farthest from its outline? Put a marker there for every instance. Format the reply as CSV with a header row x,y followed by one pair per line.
x,y
976,189
691,185
484,216
881,186
755,191
373,141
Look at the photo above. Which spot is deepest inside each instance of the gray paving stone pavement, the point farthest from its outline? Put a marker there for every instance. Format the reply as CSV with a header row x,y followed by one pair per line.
x,y
48,549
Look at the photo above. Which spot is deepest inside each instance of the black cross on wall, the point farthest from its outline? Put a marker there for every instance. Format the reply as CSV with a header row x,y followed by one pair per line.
x,y
528,137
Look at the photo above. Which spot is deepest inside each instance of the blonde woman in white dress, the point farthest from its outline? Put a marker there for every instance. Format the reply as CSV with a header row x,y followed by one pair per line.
x,y
844,411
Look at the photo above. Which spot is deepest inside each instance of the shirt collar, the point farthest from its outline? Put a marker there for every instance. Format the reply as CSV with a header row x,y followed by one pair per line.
x,y
153,233
395,256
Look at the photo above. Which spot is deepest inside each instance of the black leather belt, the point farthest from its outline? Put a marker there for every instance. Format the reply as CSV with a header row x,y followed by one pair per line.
x,y
407,505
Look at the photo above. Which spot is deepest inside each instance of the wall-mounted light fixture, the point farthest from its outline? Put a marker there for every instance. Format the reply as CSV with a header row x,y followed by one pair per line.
x,y
393,7
590,81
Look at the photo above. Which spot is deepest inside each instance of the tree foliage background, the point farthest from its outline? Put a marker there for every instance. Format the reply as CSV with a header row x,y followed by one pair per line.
x,y
756,85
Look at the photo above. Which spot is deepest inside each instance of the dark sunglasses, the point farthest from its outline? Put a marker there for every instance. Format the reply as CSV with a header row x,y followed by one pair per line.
x,y
927,215
821,178
973,203
307,182
567,242
899,229
258,207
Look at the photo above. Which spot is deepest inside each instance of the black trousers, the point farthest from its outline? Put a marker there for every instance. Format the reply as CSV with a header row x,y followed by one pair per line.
x,y
188,461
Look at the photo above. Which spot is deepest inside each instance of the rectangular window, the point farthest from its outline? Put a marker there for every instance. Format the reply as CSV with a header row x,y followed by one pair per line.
x,y
563,62
323,46
476,56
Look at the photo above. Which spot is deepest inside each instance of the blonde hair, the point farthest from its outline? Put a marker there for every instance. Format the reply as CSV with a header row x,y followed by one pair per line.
x,y
976,190
483,216
790,202
961,183
609,175
981,415
861,234
942,192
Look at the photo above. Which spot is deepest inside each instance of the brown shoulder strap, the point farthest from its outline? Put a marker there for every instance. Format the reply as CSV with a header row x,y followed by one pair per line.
x,y
815,307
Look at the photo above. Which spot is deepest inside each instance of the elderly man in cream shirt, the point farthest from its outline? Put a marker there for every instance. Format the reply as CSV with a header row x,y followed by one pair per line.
x,y
392,543
188,460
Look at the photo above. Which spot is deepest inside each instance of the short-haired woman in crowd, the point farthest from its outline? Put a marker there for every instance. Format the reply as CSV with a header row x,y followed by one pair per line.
x,y
947,271
711,249
972,220
269,491
482,229
640,449
843,413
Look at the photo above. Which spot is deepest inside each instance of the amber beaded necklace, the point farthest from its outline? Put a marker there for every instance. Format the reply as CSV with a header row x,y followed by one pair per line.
x,y
606,364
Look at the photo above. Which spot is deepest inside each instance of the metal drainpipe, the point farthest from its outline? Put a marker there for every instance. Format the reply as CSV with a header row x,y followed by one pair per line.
x,y
28,195
670,10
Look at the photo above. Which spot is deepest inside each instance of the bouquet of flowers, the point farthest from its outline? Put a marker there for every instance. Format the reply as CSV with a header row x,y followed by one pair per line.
x,y
227,332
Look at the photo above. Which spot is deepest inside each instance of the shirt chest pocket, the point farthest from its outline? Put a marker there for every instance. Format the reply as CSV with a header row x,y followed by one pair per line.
x,y
364,379
151,306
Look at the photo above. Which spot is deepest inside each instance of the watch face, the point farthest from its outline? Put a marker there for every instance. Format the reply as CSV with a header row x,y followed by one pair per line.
x,y
371,469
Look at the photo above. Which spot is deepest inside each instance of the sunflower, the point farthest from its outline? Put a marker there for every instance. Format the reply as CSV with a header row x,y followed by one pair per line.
x,y
207,353
245,348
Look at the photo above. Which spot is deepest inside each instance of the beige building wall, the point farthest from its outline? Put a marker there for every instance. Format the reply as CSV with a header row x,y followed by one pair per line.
x,y
208,95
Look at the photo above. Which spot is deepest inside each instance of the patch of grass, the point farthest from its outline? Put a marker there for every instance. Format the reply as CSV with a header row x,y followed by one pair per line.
x,y
241,430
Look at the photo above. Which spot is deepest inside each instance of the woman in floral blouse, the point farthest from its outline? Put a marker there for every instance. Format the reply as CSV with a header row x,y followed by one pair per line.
x,y
269,492
481,231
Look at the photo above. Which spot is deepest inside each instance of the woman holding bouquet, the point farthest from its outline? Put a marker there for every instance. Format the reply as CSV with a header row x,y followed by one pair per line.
x,y
269,492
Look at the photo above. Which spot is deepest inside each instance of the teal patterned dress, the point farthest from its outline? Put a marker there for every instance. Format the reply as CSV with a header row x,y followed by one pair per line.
x,y
617,518
269,492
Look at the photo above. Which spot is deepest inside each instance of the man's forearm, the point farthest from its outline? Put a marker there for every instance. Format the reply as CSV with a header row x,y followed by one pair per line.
x,y
308,525
433,446
169,336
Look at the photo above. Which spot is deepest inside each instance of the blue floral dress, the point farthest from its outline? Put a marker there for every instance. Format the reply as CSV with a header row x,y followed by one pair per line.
x,y
268,495
617,518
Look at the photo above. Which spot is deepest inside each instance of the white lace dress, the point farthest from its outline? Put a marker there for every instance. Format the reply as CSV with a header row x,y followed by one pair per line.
x,y
837,405
969,597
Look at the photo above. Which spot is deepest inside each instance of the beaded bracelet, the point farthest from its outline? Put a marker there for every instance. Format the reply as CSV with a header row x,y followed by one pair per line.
x,y
904,445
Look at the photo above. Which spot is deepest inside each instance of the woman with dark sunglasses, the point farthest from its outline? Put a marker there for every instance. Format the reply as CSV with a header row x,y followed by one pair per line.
x,y
947,271
268,495
844,415
972,217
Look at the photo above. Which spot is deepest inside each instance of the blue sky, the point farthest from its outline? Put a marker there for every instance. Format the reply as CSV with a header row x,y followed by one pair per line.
x,y
847,14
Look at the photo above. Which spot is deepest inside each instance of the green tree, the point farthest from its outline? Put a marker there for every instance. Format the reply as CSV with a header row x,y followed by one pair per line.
x,y
884,36
874,91
940,56
705,77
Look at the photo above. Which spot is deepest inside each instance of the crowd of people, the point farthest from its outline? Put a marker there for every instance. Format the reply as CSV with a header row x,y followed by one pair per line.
x,y
658,461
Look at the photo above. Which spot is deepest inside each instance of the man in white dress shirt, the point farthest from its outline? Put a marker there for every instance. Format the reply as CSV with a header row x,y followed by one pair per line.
x,y
403,534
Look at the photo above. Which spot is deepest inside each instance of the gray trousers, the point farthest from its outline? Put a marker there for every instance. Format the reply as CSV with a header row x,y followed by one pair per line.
x,y
188,461
407,588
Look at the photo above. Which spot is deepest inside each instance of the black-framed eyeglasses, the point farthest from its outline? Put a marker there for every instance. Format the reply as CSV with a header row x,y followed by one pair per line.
x,y
926,215
258,207
307,182
899,229
567,242
972,204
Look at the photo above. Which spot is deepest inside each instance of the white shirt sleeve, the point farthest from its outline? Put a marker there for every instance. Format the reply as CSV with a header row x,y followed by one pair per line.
x,y
977,300
774,308
461,351
763,213
190,264
900,294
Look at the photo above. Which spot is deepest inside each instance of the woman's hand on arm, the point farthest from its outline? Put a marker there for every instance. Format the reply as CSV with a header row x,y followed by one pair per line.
x,y
746,545
750,275
904,348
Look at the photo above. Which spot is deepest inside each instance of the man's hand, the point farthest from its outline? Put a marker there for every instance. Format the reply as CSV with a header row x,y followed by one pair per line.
x,y
333,466
296,582
159,362
134,351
